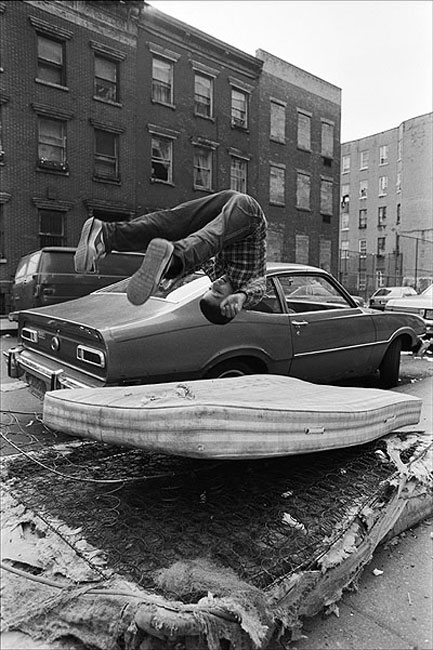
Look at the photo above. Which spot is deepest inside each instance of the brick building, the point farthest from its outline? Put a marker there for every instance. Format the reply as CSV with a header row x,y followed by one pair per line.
x,y
386,233
116,109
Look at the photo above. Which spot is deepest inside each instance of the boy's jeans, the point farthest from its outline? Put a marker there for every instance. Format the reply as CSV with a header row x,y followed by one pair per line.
x,y
199,229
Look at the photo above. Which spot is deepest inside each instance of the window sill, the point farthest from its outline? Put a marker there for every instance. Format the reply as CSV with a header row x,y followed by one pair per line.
x,y
103,179
198,188
48,170
299,207
51,85
159,180
279,204
107,101
299,148
209,118
277,140
238,127
156,101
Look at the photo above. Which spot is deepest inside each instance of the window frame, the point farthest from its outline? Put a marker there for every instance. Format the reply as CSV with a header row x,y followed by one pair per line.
x,y
162,161
383,154
210,113
52,164
306,116
299,191
197,169
158,84
50,65
362,218
105,158
239,181
47,238
278,173
277,121
116,85
237,121
345,164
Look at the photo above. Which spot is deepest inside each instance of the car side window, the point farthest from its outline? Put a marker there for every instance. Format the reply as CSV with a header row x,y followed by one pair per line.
x,y
20,273
270,303
32,266
311,293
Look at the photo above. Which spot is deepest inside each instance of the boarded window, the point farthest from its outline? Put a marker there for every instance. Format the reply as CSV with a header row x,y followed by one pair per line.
x,y
278,122
325,254
327,140
326,197
277,185
302,252
304,131
303,191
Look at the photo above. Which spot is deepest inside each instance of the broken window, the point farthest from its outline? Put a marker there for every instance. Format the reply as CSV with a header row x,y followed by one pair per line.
x,y
277,185
278,122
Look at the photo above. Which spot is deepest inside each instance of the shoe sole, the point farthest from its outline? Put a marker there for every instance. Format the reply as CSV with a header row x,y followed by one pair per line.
x,y
144,281
81,258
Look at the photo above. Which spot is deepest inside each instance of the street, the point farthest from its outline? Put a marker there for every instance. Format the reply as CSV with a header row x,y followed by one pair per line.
x,y
391,609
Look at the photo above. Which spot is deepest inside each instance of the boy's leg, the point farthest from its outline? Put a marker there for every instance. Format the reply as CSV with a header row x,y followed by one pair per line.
x,y
99,238
239,217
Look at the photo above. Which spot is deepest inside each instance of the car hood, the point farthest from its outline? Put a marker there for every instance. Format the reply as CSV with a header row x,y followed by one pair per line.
x,y
103,311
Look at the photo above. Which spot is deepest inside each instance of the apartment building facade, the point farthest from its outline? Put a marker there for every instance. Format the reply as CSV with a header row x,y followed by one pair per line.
x,y
115,109
386,208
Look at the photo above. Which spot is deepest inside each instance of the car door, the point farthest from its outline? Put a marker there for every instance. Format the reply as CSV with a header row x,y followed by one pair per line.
x,y
331,339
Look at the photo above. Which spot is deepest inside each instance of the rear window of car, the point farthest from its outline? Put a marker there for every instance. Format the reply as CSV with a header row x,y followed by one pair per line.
x,y
120,264
57,262
382,292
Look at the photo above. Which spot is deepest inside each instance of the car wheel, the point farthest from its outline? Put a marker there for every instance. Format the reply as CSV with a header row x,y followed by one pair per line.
x,y
233,368
389,369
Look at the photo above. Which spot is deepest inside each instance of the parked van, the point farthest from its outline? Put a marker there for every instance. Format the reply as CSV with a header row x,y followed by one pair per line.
x,y
47,276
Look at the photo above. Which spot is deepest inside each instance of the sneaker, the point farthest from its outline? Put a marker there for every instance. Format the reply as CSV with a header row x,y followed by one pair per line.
x,y
144,281
91,246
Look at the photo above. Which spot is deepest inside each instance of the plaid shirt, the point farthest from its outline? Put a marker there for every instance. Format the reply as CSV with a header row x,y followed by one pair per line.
x,y
244,264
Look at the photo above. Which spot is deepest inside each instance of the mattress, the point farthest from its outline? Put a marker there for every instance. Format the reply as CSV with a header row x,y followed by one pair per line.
x,y
254,416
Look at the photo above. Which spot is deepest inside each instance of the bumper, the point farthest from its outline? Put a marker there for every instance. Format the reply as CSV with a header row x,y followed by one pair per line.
x,y
20,363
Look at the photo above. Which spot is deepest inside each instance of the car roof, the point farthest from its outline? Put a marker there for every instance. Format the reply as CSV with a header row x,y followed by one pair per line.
x,y
290,266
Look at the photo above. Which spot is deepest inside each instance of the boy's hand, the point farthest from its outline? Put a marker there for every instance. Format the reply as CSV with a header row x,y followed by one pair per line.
x,y
232,305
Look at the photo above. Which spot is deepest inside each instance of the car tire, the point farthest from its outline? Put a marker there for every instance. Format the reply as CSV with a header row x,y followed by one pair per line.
x,y
389,369
231,368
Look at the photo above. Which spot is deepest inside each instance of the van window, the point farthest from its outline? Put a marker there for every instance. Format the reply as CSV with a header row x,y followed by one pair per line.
x,y
120,264
57,262
33,264
20,273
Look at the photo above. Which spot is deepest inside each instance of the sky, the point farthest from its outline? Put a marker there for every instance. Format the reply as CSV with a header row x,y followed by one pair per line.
x,y
378,52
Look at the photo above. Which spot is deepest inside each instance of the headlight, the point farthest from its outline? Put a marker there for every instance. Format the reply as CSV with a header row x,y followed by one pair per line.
x,y
428,314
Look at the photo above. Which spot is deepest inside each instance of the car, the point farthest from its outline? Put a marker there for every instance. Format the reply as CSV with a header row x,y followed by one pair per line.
x,y
421,304
306,326
47,276
380,297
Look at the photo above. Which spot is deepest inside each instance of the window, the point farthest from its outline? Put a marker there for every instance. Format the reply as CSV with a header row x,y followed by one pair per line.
x,y
277,185
203,95
380,246
51,228
398,182
363,159
363,189
303,191
278,122
202,168
239,109
345,190
345,221
327,139
381,216
52,144
362,247
379,279
325,254
51,60
345,164
162,159
106,79
162,80
302,250
304,131
106,164
383,154
383,185
398,216
326,197
362,218
362,281
344,250
238,174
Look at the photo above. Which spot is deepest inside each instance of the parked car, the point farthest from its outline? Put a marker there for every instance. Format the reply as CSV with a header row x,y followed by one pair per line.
x,y
421,304
380,297
307,326
47,276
